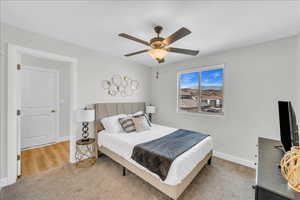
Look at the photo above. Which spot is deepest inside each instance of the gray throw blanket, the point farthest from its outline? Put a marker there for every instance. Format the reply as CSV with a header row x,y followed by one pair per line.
x,y
158,155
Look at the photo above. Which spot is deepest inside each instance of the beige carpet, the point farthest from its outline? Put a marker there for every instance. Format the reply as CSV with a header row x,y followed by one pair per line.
x,y
221,181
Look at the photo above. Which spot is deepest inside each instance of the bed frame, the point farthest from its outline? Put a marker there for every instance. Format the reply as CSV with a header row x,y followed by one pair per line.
x,y
108,109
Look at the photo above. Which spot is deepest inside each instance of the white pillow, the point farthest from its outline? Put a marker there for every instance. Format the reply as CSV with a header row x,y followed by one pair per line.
x,y
112,124
135,114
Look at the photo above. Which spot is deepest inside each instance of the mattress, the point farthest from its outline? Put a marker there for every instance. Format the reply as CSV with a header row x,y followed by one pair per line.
x,y
123,144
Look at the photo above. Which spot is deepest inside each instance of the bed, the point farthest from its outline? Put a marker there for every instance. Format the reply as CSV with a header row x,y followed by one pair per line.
x,y
119,147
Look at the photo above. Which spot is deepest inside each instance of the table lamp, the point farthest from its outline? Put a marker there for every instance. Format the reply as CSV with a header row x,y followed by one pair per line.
x,y
85,116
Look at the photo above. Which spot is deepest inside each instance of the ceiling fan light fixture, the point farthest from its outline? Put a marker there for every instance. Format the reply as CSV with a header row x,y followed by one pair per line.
x,y
160,46
158,54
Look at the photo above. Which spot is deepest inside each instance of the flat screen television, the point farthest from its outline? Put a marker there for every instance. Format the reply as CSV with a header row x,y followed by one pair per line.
x,y
288,125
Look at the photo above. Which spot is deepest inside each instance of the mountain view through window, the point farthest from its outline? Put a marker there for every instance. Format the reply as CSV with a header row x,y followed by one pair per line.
x,y
201,91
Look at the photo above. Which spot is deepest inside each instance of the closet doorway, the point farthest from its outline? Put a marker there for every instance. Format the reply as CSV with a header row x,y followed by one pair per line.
x,y
14,58
44,107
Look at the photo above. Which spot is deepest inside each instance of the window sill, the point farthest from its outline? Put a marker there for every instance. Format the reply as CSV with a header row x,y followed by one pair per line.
x,y
201,114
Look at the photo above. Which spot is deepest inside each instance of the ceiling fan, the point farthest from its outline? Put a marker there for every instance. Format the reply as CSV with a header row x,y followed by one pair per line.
x,y
159,45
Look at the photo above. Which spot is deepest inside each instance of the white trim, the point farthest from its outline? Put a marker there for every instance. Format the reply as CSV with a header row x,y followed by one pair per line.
x,y
38,146
63,138
60,139
201,113
12,152
234,159
43,54
14,58
3,182
202,68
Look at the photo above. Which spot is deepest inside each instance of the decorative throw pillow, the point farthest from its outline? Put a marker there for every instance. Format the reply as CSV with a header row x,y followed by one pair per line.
x,y
145,116
127,124
140,124
111,124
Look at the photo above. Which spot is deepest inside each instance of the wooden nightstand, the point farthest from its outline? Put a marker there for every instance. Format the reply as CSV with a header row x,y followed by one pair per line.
x,y
86,152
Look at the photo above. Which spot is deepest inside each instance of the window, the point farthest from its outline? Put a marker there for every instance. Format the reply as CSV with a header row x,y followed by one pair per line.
x,y
201,90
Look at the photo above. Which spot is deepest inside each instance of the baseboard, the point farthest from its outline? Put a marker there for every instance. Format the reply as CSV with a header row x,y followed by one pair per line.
x,y
234,159
3,182
62,139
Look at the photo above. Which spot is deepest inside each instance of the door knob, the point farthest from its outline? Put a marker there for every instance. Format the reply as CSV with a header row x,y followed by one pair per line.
x,y
53,111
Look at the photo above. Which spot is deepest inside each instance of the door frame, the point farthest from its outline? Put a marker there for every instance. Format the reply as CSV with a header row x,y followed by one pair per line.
x,y
57,130
13,59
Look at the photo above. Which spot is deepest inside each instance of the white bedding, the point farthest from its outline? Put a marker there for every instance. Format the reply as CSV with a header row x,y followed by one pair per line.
x,y
123,144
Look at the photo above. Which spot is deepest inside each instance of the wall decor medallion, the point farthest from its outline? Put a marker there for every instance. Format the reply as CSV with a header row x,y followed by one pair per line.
x,y
120,85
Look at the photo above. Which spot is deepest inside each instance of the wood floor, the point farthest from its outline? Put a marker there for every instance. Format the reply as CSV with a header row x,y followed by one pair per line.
x,y
36,160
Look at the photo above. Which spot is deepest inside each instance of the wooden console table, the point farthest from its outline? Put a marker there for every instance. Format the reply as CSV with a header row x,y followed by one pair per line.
x,y
270,184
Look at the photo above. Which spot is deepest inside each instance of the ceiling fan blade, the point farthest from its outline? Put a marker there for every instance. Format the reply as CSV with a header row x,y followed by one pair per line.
x,y
137,52
176,36
124,35
183,51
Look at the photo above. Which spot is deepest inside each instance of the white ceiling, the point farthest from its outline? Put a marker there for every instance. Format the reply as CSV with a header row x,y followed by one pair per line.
x,y
215,25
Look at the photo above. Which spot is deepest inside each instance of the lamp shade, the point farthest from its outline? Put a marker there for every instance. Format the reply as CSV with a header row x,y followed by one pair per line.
x,y
150,109
85,115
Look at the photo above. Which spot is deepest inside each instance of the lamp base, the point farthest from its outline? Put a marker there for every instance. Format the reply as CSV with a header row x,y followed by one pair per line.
x,y
85,129
150,117
85,139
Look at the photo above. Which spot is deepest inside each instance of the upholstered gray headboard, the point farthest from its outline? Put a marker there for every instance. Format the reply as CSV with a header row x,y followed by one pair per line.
x,y
109,109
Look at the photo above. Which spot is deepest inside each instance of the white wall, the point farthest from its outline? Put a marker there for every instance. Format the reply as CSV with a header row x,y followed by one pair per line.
x,y
255,78
64,88
93,67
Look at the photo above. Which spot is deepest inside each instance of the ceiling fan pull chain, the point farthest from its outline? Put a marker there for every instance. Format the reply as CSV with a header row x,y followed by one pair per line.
x,y
157,73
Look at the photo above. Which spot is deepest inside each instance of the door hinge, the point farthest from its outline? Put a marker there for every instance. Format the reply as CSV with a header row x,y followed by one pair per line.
x,y
18,66
18,157
18,112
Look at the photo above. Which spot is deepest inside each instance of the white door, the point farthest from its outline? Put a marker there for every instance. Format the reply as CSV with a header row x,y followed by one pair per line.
x,y
39,106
